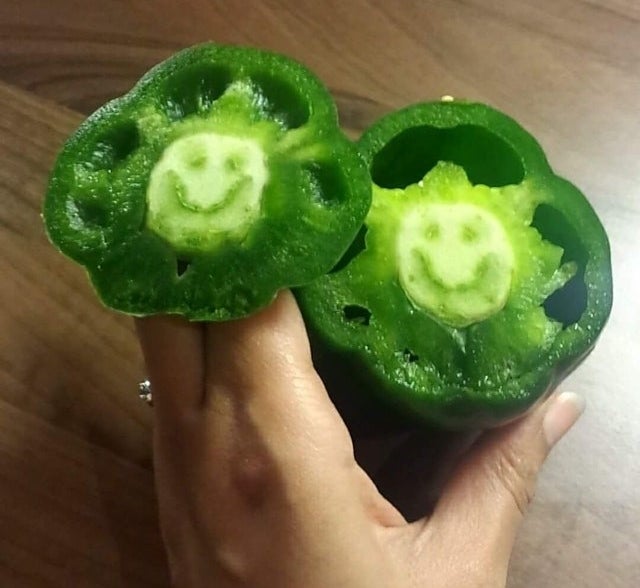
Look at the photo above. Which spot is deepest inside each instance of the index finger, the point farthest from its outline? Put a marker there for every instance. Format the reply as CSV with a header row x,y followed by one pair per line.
x,y
174,355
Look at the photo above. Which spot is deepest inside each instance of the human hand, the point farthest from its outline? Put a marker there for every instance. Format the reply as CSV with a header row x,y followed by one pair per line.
x,y
258,485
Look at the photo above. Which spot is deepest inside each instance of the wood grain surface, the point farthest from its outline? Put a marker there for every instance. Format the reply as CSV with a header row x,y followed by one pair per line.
x,y
76,492
76,495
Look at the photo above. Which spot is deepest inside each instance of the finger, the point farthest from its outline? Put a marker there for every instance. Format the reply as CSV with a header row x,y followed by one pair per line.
x,y
268,431
262,384
174,355
483,504
266,359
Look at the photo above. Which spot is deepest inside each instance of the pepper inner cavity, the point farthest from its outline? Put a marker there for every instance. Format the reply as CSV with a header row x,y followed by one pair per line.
x,y
206,188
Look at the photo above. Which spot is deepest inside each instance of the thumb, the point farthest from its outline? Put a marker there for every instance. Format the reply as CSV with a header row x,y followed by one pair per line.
x,y
483,504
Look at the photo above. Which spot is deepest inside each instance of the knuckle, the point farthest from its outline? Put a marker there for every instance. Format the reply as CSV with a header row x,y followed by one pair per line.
x,y
515,475
254,475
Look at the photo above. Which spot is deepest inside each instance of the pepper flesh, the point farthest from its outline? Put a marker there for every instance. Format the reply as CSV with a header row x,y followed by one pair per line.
x,y
221,178
482,278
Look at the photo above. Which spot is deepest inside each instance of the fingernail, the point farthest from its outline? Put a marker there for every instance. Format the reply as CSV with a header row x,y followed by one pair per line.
x,y
564,411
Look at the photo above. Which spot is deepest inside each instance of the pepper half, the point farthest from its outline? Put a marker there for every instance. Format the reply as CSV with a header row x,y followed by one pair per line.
x,y
221,178
479,278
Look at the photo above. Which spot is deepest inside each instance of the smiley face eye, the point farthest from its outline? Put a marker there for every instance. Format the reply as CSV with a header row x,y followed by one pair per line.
x,y
433,231
235,162
469,234
196,158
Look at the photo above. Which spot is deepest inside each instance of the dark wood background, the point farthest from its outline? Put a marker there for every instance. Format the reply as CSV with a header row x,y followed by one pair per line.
x,y
76,494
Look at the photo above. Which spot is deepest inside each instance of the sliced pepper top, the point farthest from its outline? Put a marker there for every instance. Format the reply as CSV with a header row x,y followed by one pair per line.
x,y
479,278
221,178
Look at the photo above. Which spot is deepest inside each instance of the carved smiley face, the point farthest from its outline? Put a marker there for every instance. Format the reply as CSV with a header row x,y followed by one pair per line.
x,y
455,262
205,188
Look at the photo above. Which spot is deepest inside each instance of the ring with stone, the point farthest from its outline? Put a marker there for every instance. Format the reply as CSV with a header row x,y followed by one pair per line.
x,y
144,392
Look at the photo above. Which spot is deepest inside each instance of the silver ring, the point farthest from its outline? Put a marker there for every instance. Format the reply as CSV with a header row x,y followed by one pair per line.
x,y
144,392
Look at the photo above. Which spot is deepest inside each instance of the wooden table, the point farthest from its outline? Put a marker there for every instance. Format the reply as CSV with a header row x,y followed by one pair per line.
x,y
76,495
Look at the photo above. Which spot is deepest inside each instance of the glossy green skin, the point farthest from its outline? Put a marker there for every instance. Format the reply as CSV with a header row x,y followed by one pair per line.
x,y
414,364
316,198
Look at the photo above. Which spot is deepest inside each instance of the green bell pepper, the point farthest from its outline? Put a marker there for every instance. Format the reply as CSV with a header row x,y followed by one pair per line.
x,y
221,178
479,279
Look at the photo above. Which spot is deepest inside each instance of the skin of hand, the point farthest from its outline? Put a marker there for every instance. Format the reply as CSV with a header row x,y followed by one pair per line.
x,y
258,486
